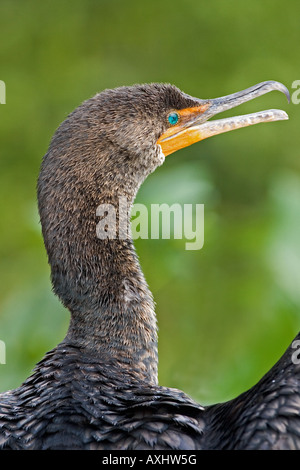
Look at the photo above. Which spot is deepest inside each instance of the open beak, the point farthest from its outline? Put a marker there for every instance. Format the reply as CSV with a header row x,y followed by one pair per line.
x,y
192,125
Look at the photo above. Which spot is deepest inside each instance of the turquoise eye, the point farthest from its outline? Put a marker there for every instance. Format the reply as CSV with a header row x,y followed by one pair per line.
x,y
173,118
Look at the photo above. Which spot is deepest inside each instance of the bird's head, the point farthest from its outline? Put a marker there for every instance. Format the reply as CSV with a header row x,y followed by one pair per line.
x,y
123,134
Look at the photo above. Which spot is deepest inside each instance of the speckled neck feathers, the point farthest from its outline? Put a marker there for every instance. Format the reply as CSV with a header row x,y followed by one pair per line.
x,y
99,281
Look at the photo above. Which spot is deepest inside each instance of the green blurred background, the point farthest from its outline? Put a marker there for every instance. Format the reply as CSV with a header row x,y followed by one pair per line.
x,y
227,312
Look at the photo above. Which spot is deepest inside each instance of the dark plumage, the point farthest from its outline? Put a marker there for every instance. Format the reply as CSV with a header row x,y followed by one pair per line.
x,y
98,388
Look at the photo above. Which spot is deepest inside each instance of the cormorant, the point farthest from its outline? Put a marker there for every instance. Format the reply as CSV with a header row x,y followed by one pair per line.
x,y
98,388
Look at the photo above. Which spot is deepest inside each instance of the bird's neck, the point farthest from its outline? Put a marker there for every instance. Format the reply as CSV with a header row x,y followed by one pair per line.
x,y
100,281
